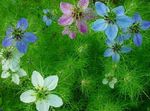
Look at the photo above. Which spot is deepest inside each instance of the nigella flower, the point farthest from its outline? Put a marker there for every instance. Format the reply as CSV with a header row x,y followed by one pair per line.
x,y
42,94
110,80
47,18
17,36
115,48
111,20
135,29
78,14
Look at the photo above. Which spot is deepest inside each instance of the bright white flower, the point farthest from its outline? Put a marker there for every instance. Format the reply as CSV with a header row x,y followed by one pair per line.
x,y
42,96
15,75
110,80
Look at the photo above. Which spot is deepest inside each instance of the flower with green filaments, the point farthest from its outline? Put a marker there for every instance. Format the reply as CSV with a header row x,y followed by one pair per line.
x,y
111,18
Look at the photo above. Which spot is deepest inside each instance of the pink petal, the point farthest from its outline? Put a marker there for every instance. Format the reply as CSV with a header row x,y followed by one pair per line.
x,y
66,31
83,4
65,20
66,8
82,26
72,35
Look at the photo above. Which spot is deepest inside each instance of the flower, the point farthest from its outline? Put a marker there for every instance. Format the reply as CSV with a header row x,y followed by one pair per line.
x,y
15,74
47,17
16,36
115,48
137,26
42,96
78,14
110,80
111,20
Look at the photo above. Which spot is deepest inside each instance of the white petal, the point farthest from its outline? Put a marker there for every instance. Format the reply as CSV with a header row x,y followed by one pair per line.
x,y
5,64
28,96
55,100
14,65
51,82
111,85
15,78
22,72
105,81
37,79
42,105
5,74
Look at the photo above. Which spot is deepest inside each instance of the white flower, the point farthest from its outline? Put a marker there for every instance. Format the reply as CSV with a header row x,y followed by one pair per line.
x,y
110,80
15,75
42,96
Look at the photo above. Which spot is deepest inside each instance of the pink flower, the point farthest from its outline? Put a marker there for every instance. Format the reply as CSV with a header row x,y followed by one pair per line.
x,y
78,14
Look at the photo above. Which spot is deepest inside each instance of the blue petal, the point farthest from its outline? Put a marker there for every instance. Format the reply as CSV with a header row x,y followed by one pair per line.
x,y
9,32
29,37
109,52
137,18
45,18
120,40
111,31
99,25
109,43
49,22
126,36
101,8
145,25
7,41
137,39
45,11
125,49
22,46
116,57
119,10
22,24
124,21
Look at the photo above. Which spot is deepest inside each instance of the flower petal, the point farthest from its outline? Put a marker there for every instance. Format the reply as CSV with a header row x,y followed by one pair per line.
x,y
137,18
126,49
42,105
72,35
5,74
99,25
119,10
65,20
105,81
116,57
101,8
22,72
45,11
22,24
124,21
15,78
137,39
82,26
109,43
29,37
28,96
37,80
109,52
21,46
111,85
111,31
9,32
54,100
66,8
7,41
83,4
145,25
51,82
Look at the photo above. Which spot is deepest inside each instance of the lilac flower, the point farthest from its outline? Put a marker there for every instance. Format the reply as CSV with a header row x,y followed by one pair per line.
x,y
47,17
115,48
111,20
17,36
135,29
78,14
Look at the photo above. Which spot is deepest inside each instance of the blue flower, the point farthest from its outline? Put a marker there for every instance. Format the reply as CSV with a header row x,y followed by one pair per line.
x,y
115,48
18,37
111,20
47,17
136,27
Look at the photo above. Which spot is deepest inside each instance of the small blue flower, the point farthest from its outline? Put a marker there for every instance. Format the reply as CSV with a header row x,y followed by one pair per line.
x,y
111,20
47,17
18,37
115,48
135,29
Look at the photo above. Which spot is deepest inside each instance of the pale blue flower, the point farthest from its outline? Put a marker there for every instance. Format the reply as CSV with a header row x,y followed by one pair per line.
x,y
47,18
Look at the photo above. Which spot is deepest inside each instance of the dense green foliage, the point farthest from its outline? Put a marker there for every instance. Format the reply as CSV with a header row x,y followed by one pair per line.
x,y
79,63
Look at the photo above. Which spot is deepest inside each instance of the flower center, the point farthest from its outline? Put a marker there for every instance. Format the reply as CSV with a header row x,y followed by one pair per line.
x,y
42,94
116,47
7,54
18,34
135,28
110,18
77,13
